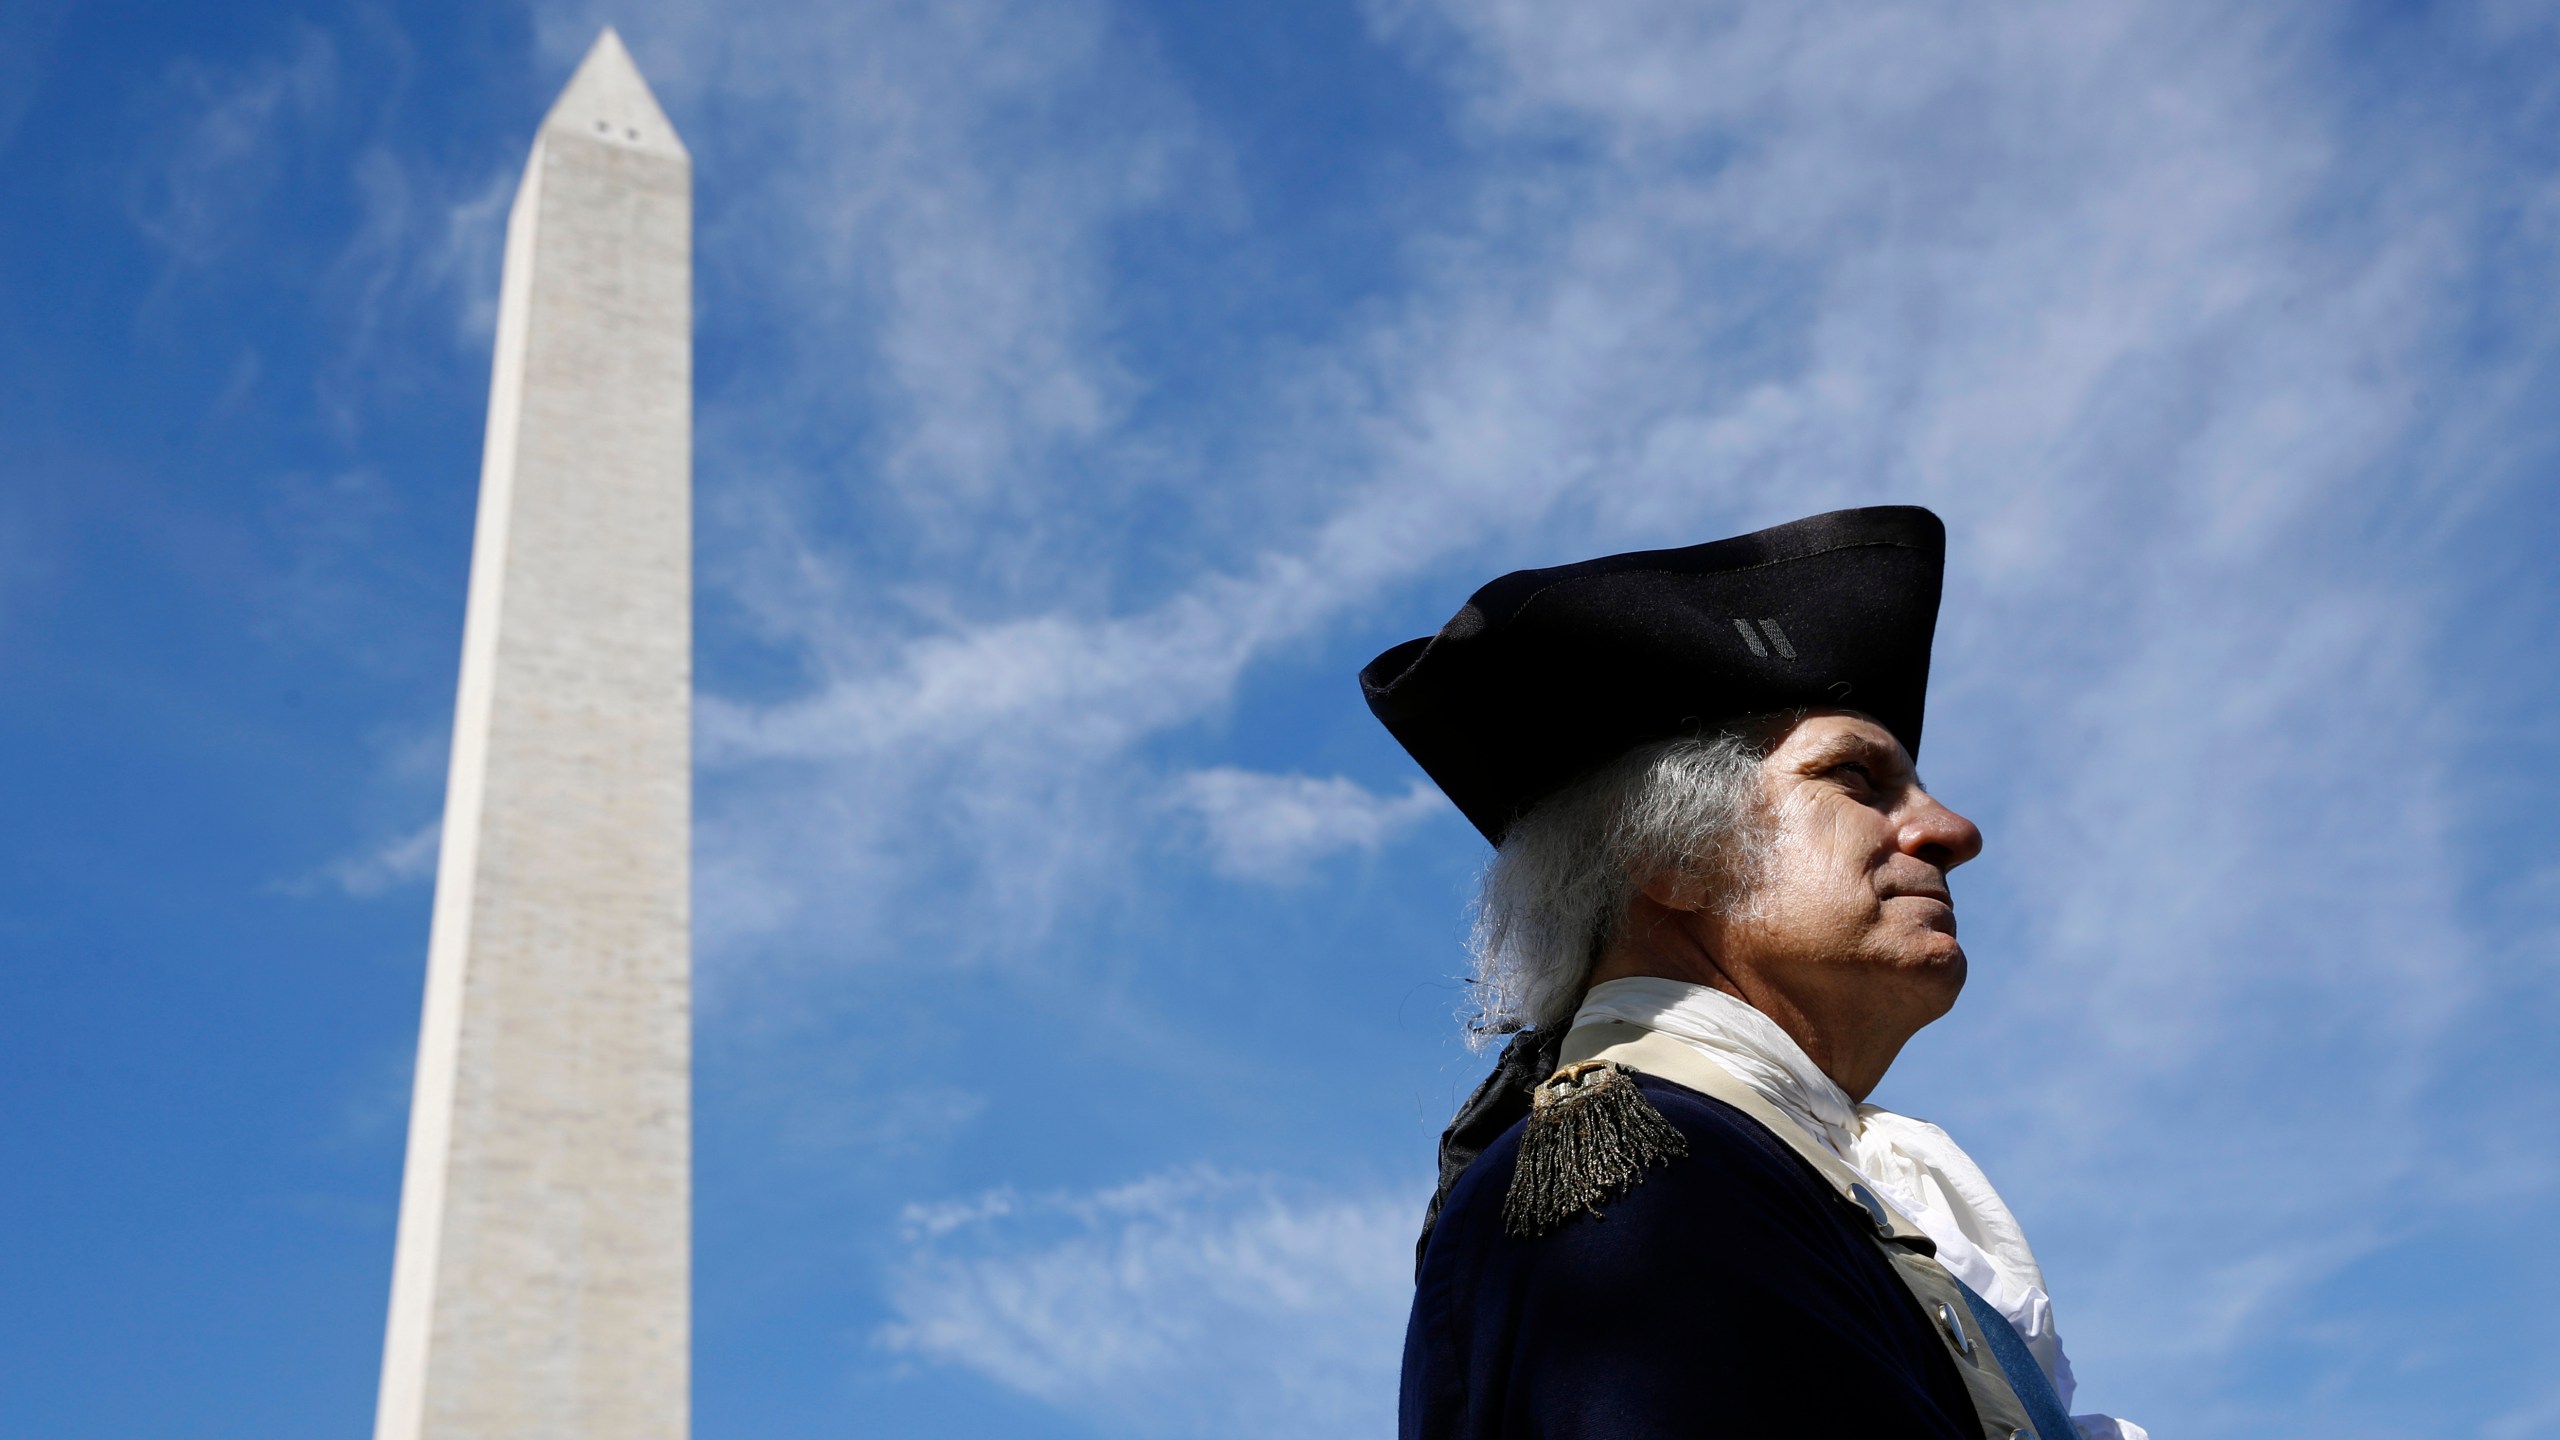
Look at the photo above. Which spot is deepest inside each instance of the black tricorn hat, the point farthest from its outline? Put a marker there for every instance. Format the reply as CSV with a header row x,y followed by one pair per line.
x,y
1546,675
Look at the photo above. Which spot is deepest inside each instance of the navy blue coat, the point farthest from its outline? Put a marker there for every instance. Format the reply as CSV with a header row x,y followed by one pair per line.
x,y
1730,1293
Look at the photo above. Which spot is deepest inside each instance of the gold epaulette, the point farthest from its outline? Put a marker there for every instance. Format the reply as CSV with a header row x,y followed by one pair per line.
x,y
1591,1136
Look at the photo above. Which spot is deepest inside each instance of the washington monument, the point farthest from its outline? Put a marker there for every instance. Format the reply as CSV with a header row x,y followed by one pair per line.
x,y
542,1282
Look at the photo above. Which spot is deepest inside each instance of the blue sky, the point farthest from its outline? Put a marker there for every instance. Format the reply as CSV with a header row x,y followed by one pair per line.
x,y
1085,392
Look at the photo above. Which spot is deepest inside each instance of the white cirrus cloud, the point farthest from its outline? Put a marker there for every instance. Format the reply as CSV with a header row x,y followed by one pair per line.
x,y
1191,1303
402,860
944,180
1273,827
228,133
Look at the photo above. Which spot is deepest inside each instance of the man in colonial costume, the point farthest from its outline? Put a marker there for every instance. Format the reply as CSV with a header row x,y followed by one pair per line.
x,y
1717,909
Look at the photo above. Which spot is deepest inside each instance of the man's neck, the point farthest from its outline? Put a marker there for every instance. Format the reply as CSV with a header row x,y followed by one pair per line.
x,y
1660,941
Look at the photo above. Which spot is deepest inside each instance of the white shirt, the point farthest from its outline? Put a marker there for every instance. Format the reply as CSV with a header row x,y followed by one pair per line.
x,y
1913,1164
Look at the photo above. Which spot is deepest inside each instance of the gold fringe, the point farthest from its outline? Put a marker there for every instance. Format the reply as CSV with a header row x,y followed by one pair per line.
x,y
1591,1136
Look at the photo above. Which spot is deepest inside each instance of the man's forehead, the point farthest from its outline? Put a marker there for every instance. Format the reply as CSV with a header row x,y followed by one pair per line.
x,y
1832,735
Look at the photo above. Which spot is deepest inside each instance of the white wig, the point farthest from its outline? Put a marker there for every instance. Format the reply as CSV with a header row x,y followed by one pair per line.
x,y
1559,886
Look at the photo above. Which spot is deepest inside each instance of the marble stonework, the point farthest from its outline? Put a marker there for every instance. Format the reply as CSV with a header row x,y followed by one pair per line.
x,y
542,1282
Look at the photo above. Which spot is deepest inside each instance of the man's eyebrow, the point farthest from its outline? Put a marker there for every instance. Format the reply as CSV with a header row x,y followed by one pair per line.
x,y
1849,745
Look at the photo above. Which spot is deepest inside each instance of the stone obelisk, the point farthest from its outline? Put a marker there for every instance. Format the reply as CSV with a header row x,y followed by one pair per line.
x,y
541,1289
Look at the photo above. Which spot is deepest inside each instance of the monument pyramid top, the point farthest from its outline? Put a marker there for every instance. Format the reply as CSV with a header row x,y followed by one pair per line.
x,y
607,100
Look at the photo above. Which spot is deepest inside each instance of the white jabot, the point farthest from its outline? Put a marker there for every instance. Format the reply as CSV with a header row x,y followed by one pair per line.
x,y
1912,1163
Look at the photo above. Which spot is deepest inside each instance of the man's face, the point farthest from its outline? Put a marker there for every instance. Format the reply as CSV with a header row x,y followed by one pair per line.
x,y
1849,913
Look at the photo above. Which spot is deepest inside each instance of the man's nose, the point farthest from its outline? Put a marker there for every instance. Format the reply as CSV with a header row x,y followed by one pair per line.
x,y
1932,832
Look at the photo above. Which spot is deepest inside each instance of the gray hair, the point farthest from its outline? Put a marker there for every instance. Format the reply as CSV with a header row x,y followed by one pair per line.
x,y
1556,890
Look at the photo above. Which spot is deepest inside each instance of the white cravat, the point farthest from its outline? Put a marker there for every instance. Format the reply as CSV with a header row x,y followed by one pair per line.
x,y
1912,1163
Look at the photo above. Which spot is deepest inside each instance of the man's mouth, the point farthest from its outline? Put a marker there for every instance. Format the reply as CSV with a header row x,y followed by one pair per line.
x,y
1944,916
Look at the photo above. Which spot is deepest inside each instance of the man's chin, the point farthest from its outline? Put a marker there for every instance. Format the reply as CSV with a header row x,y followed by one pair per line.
x,y
1942,969
1930,964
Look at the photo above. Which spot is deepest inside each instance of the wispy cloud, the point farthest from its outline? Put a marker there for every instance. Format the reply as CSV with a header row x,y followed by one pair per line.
x,y
227,134
394,249
1193,1303
1583,371
945,182
404,860
419,267
1273,827
2538,1414
28,33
